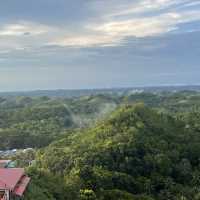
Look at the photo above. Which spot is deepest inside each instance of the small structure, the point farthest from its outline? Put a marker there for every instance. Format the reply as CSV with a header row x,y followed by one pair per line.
x,y
13,182
7,164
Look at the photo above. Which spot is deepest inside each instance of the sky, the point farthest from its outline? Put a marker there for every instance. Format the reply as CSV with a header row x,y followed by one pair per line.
x,y
76,44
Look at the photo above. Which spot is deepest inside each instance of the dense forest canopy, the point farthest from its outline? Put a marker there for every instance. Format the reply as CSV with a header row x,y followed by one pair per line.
x,y
134,146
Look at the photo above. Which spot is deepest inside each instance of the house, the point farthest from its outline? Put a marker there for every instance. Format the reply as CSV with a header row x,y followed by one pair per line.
x,y
13,183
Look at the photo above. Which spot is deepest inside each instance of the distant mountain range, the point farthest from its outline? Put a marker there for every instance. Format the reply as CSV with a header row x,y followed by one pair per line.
x,y
113,91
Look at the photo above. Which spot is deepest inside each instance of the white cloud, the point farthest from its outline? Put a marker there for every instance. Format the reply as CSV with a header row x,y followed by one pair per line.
x,y
24,35
143,6
114,27
194,3
147,26
136,7
87,40
23,28
114,32
141,18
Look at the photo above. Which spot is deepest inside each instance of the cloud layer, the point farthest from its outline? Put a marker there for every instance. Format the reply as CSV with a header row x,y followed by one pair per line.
x,y
144,18
79,44
111,25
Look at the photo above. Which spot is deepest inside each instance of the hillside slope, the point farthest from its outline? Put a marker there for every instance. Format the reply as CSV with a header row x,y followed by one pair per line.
x,y
135,154
35,122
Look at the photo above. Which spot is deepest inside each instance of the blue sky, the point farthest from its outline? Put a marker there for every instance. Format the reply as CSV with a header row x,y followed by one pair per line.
x,y
70,44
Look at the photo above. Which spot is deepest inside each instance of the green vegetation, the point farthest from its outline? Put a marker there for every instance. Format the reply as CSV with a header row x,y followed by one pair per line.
x,y
36,122
142,151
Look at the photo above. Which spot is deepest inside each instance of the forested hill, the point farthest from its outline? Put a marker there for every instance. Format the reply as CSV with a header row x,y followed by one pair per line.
x,y
35,122
136,154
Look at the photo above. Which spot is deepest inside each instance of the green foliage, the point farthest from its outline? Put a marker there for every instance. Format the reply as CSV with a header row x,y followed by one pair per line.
x,y
135,154
36,122
138,153
45,184
87,195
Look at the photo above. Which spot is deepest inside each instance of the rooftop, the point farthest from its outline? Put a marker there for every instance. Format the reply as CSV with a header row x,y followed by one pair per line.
x,y
14,180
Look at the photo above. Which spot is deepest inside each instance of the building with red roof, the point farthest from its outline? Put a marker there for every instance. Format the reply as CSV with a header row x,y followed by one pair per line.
x,y
13,183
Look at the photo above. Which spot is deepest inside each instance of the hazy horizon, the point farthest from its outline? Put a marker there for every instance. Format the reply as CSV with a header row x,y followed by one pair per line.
x,y
48,45
102,88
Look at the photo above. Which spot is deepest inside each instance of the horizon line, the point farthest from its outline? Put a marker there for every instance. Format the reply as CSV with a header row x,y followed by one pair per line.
x,y
101,88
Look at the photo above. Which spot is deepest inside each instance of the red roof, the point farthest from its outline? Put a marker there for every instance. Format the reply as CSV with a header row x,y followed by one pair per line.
x,y
10,177
14,180
21,187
